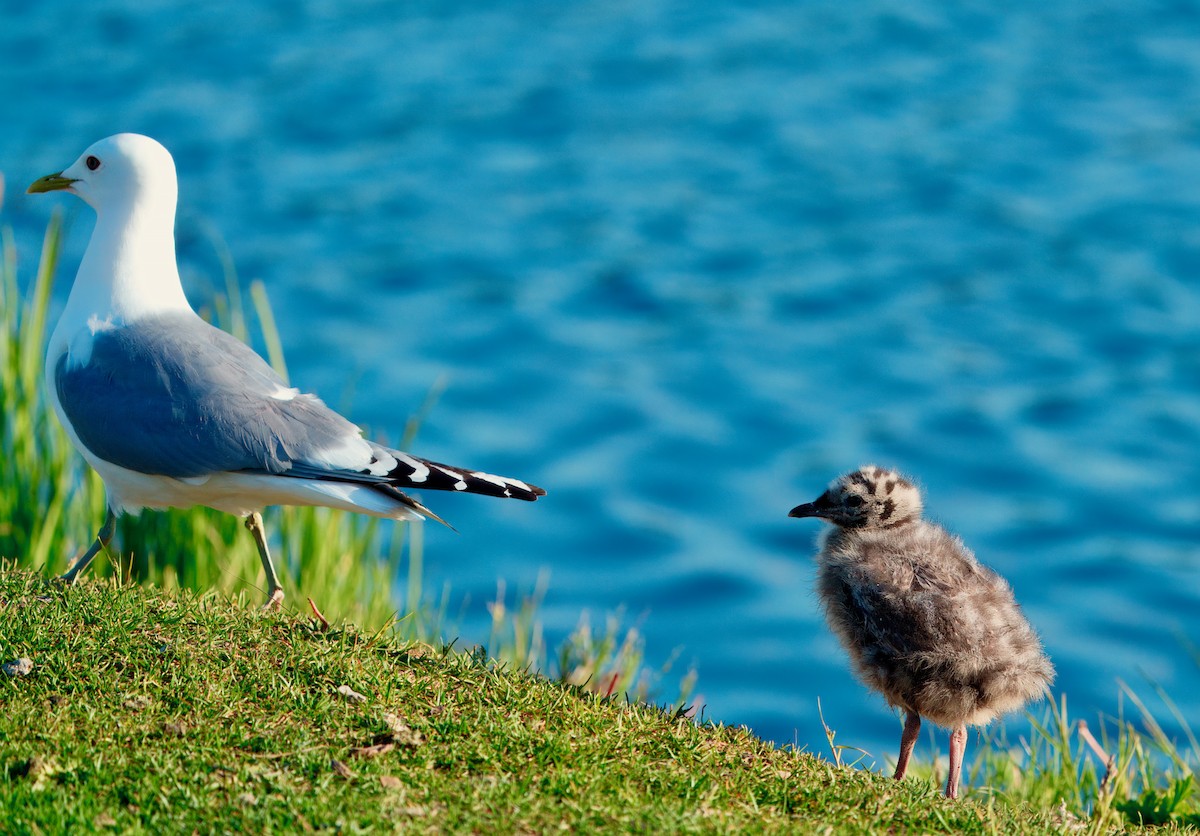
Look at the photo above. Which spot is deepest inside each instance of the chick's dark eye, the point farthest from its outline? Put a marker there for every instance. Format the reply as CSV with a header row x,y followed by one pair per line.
x,y
92,163
854,501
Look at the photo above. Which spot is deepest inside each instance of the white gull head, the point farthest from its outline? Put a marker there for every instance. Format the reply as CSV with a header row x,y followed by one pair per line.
x,y
118,174
129,269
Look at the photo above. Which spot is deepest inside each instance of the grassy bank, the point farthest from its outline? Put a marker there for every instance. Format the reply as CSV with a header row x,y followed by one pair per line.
x,y
150,712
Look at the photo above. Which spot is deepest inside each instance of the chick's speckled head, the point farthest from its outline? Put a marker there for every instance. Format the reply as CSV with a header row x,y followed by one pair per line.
x,y
870,497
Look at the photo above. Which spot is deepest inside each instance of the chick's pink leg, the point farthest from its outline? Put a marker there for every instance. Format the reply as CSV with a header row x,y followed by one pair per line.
x,y
912,728
958,747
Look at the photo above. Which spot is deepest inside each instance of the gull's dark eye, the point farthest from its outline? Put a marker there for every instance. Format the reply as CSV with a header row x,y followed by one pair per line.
x,y
854,501
92,163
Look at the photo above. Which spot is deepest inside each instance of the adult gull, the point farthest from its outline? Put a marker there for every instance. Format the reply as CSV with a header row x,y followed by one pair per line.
x,y
172,412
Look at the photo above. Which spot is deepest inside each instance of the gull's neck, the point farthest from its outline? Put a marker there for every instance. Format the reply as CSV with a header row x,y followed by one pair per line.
x,y
128,272
129,269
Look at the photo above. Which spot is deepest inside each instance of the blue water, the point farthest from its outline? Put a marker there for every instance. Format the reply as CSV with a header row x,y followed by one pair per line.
x,y
683,263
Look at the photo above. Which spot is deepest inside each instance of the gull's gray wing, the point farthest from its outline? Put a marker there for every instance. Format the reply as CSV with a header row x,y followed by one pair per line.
x,y
171,395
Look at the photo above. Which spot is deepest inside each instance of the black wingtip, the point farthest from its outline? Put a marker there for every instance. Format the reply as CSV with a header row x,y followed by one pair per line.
x,y
424,474
529,496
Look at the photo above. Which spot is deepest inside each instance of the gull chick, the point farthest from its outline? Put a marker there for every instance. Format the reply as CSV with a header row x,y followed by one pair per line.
x,y
172,412
925,624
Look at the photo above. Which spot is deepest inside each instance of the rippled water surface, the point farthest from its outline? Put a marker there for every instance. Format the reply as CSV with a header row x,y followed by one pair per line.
x,y
683,263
